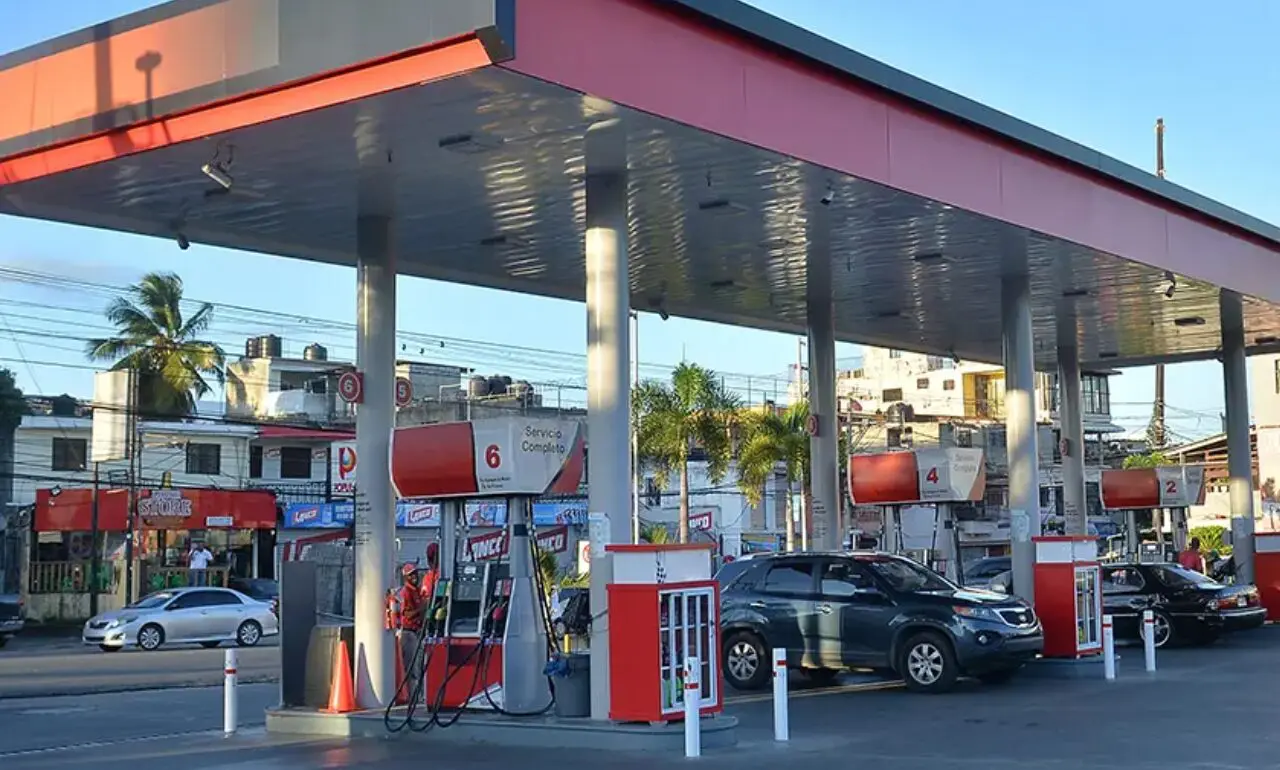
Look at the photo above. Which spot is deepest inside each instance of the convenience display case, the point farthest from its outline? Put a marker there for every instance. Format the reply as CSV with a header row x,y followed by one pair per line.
x,y
1069,595
663,609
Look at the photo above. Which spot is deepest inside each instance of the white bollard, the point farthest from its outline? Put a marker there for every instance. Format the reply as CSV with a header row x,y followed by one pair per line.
x,y
1108,648
692,708
781,719
229,716
1149,639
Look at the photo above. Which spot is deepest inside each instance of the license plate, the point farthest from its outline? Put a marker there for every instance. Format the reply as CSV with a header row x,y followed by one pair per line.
x,y
1242,602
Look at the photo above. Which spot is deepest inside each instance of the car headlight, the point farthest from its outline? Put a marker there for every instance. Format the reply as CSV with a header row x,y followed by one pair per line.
x,y
977,613
124,621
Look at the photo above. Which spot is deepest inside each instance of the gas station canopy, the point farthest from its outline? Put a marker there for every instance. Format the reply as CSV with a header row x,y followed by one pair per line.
x,y
737,126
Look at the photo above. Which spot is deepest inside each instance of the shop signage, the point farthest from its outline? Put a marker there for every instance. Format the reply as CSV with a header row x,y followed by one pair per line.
x,y
495,545
215,522
701,521
166,503
344,467
419,514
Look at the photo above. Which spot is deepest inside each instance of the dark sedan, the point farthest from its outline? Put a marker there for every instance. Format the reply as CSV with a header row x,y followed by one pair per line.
x,y
1188,607
11,620
868,610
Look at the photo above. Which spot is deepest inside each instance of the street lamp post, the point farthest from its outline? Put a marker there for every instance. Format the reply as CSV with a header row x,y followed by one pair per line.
x,y
635,441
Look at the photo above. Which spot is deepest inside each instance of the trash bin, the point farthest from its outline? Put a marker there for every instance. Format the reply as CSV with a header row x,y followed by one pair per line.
x,y
573,686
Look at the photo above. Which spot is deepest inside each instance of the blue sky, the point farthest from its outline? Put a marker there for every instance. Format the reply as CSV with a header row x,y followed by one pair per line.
x,y
1097,72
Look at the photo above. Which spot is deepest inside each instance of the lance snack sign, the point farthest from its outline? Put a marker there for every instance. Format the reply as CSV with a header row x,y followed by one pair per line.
x,y
495,545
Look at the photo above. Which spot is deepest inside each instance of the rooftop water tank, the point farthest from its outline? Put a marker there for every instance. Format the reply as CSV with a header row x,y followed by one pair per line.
x,y
315,352
477,387
253,348
272,346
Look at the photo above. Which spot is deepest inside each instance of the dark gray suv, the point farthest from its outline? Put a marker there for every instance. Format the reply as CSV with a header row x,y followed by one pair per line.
x,y
838,611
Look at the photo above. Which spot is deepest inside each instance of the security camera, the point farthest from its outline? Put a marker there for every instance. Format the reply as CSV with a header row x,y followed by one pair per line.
x,y
183,243
218,174
663,314
828,197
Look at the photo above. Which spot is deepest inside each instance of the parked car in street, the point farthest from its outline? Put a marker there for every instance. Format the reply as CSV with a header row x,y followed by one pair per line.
x,y
836,611
205,616
1188,607
11,617
262,589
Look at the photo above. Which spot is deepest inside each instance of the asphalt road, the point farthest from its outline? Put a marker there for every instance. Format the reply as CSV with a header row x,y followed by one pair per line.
x,y
38,667
1210,708
34,727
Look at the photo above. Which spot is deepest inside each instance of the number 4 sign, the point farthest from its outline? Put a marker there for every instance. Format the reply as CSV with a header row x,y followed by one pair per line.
x,y
935,482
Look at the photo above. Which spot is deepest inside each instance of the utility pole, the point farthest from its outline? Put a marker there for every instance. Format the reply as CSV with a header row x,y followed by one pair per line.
x,y
95,553
802,395
1157,415
635,435
135,465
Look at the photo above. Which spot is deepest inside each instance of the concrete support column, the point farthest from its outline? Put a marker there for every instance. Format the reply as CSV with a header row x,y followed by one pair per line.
x,y
1075,508
1235,379
375,532
1020,429
824,448
608,404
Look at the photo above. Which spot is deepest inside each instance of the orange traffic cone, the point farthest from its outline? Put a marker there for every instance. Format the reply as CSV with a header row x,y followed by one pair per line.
x,y
342,695
402,686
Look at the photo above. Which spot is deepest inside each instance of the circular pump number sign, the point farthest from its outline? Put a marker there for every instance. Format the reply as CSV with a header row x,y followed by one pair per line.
x,y
404,392
351,387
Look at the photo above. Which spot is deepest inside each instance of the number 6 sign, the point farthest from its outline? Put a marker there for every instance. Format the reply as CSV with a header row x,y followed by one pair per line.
x,y
493,456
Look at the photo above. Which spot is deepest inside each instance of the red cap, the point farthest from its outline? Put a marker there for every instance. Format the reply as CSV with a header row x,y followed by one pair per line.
x,y
408,569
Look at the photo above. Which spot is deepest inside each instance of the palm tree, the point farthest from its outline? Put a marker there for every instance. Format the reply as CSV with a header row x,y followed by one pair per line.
x,y
781,438
694,411
161,346
772,439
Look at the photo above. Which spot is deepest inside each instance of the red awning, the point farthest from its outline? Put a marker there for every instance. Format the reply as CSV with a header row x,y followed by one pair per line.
x,y
72,509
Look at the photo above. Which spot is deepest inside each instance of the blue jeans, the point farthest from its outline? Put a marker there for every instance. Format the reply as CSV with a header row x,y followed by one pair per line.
x,y
199,577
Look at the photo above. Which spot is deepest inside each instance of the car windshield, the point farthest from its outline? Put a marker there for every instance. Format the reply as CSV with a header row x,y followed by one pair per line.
x,y
258,588
152,601
906,576
1178,576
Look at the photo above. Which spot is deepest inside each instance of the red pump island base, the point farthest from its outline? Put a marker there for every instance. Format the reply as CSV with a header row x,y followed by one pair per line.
x,y
664,607
1069,595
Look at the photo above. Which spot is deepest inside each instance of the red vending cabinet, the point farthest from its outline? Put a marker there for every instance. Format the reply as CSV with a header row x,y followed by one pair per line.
x,y
1069,595
1266,568
664,607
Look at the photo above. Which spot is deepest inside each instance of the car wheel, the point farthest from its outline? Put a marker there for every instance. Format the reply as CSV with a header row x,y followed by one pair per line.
x,y
822,677
3,641
209,645
927,663
150,637
746,661
249,633
998,676
108,648
1162,627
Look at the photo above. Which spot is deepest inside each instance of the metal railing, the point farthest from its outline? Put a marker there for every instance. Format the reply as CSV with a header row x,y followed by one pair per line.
x,y
70,577
159,578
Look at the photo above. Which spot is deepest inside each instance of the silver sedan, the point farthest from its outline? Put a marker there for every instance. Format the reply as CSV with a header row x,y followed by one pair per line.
x,y
205,616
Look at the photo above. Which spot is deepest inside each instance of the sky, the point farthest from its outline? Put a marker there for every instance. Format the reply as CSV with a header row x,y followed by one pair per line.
x,y
1095,71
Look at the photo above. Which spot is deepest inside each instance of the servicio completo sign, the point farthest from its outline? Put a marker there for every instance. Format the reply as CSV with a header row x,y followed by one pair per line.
x,y
946,475
495,545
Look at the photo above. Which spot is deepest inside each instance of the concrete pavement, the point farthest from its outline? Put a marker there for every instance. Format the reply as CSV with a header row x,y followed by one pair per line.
x,y
62,667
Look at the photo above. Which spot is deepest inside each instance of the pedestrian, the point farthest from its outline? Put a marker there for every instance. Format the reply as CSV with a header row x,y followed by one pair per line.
x,y
409,608
1191,557
198,564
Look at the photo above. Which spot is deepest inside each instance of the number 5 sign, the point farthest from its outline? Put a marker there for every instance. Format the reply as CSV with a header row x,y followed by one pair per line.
x,y
935,480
